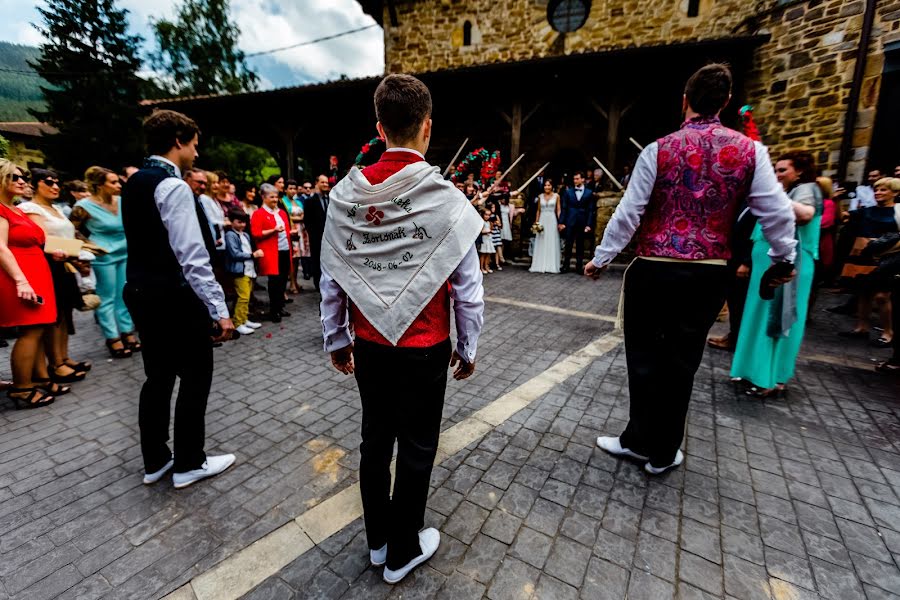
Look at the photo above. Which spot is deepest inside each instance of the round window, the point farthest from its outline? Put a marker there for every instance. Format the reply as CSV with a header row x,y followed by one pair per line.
x,y
566,16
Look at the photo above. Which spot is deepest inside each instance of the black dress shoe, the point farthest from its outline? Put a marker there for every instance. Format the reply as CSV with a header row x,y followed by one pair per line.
x,y
275,318
283,313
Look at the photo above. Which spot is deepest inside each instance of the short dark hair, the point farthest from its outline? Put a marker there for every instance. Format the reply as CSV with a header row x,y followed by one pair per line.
x,y
222,175
579,173
164,127
708,89
237,215
38,175
402,103
804,162
273,178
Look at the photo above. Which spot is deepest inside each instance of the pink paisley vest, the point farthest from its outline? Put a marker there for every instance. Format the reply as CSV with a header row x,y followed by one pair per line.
x,y
704,171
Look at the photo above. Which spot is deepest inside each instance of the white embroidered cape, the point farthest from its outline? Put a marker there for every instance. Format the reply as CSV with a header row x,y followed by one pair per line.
x,y
390,246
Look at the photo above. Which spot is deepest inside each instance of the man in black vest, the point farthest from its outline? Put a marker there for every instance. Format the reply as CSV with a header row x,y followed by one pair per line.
x,y
315,210
175,301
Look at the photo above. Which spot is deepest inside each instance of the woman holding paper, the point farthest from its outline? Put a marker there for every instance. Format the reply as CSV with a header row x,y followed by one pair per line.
x,y
26,289
42,209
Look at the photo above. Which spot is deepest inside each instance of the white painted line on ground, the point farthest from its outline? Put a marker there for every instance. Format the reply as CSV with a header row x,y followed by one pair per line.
x,y
551,309
241,572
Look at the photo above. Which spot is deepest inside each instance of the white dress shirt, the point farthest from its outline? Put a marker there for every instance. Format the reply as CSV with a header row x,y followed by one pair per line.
x,y
766,200
579,192
468,308
865,197
175,202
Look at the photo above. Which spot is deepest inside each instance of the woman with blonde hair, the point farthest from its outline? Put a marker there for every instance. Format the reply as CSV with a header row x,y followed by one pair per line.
x,y
26,288
98,219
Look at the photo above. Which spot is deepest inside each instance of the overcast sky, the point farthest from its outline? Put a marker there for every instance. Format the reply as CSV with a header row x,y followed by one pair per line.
x,y
264,24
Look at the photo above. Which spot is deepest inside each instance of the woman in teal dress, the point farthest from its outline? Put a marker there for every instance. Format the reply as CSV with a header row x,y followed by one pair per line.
x,y
99,219
772,330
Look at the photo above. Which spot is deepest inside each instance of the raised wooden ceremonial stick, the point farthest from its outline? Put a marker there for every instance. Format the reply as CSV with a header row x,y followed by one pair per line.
x,y
634,141
608,174
455,156
532,178
511,167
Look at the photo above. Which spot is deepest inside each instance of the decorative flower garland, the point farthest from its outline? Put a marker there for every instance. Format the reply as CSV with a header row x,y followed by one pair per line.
x,y
488,164
366,149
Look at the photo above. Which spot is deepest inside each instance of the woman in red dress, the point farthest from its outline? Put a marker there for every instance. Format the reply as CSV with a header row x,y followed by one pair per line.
x,y
26,288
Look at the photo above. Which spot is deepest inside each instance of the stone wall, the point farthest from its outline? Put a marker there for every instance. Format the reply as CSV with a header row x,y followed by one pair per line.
x,y
800,81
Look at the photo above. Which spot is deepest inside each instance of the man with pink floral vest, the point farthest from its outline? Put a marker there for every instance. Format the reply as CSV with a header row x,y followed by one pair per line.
x,y
680,208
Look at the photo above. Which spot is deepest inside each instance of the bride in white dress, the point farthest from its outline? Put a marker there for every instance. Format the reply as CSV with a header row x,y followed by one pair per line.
x,y
546,256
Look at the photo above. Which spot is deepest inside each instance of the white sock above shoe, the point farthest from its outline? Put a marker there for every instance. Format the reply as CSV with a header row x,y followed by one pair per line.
x,y
212,466
613,445
429,540
679,458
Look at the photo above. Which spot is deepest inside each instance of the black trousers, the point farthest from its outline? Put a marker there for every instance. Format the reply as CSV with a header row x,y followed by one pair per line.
x,y
669,309
737,297
402,392
278,283
174,326
575,236
895,318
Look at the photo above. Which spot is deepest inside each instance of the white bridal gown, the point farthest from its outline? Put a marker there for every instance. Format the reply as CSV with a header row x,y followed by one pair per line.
x,y
546,257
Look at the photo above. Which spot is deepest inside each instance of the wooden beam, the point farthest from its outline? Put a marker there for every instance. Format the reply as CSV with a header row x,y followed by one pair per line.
x,y
515,140
392,11
531,112
506,117
600,109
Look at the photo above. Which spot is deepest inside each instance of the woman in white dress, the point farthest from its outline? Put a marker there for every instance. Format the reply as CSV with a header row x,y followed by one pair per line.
x,y
546,257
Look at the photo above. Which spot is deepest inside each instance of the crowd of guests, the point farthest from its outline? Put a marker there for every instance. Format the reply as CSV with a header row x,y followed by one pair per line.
x,y
63,248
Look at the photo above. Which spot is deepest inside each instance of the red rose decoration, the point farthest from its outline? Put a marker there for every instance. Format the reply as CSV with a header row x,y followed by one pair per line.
x,y
374,216
681,225
729,157
694,161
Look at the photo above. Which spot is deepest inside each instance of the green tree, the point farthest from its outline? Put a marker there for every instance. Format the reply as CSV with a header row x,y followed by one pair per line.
x,y
4,147
243,162
198,53
91,62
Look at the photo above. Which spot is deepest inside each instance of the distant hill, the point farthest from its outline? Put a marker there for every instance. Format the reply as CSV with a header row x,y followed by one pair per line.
x,y
18,91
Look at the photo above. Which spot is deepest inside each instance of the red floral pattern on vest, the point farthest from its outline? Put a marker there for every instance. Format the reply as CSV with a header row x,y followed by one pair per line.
x,y
704,171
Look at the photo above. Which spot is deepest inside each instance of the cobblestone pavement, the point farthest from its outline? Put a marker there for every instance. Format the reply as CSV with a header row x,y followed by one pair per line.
x,y
787,499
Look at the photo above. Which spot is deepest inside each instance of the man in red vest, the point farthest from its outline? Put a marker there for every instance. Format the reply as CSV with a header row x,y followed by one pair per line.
x,y
398,246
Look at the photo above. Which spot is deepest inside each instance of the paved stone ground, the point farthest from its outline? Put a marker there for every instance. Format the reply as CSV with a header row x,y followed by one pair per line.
x,y
794,498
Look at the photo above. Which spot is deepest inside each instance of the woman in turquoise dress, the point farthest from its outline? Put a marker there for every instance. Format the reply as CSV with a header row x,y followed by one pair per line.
x,y
772,330
99,219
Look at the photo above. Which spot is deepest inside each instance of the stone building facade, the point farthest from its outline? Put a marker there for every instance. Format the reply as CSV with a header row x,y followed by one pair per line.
x,y
800,78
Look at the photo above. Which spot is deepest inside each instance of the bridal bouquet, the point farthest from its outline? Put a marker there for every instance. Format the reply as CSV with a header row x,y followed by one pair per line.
x,y
537,228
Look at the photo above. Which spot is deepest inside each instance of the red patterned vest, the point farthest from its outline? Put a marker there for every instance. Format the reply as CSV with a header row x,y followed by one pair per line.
x,y
704,171
432,326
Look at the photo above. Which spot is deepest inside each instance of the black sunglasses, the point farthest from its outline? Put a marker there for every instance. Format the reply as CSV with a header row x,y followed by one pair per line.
x,y
15,177
50,182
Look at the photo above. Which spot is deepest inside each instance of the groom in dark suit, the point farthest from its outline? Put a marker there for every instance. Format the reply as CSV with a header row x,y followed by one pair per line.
x,y
576,220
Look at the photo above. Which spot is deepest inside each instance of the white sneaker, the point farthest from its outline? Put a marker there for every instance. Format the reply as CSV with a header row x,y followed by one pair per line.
x,y
679,458
154,477
253,324
245,329
213,466
378,557
429,540
614,446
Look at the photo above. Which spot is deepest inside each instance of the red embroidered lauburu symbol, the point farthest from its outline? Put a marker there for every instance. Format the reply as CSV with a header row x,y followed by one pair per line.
x,y
374,216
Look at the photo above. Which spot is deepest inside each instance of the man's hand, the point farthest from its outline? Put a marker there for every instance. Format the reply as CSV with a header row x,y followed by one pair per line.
x,y
560,227
463,369
593,271
743,272
342,360
783,280
226,330
587,229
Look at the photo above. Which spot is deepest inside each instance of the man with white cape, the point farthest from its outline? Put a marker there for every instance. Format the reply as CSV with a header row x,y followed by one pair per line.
x,y
399,244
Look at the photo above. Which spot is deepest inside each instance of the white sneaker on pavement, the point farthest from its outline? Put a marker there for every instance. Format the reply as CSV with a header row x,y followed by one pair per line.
x,y
679,458
154,477
429,540
614,446
245,329
212,466
378,557
253,324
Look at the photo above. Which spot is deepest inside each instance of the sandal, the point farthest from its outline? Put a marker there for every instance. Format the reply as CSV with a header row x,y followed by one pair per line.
x,y
888,367
50,386
83,365
123,352
775,392
883,342
33,398
131,342
71,377
720,343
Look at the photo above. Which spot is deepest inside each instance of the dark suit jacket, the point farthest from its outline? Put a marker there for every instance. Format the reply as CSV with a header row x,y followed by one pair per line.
x,y
578,213
314,219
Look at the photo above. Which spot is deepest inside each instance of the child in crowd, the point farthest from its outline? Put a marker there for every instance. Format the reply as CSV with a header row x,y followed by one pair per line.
x,y
496,236
486,249
239,256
